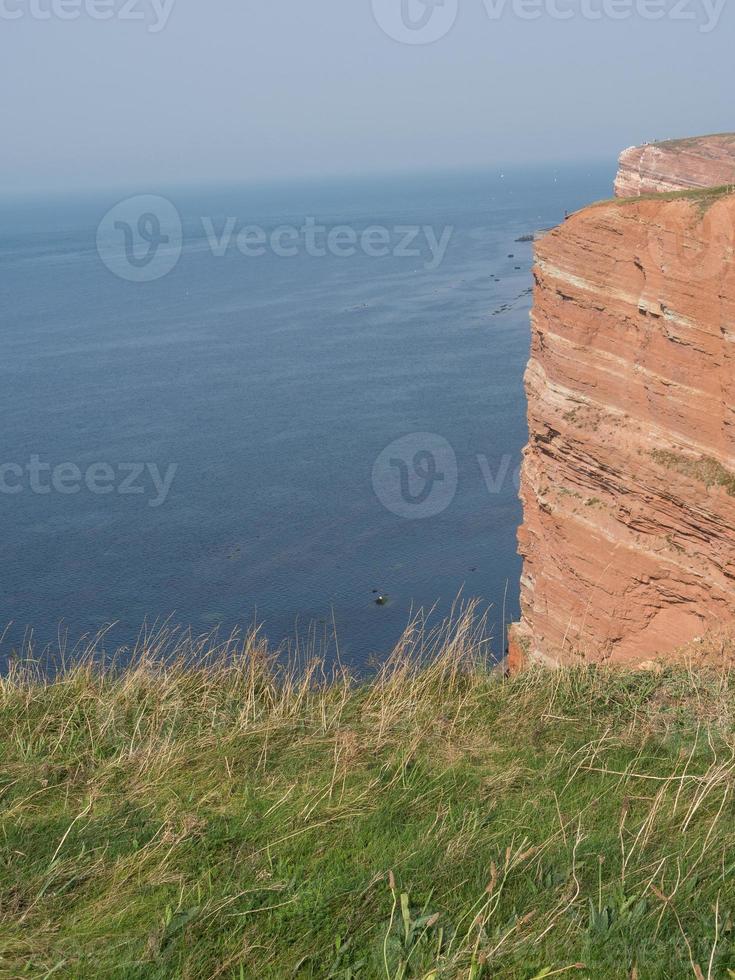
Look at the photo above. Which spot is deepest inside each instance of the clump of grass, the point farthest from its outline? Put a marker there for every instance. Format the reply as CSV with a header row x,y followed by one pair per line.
x,y
705,469
213,811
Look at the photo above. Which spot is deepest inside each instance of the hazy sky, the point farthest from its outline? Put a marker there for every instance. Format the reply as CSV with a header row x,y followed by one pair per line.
x,y
242,89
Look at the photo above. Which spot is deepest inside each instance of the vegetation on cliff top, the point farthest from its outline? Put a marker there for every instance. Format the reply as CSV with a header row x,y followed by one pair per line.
x,y
237,818
688,142
704,196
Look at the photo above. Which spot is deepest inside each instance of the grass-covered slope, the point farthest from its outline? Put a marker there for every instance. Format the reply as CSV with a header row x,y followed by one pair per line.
x,y
438,821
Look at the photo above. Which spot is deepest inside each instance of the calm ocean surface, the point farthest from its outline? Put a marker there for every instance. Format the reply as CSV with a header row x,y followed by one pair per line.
x,y
274,385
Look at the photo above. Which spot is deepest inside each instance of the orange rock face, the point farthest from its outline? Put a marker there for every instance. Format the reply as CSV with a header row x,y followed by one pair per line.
x,y
703,161
628,481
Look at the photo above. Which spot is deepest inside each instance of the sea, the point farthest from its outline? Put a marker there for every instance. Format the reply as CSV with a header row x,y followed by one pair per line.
x,y
292,404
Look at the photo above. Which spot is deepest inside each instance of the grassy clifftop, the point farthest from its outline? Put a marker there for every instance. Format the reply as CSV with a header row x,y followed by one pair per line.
x,y
438,821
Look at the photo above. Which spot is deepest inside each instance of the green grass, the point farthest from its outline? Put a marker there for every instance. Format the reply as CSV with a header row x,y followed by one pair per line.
x,y
237,818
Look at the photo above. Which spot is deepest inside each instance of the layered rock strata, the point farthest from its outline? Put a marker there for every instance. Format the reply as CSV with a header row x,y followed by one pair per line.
x,y
628,481
702,161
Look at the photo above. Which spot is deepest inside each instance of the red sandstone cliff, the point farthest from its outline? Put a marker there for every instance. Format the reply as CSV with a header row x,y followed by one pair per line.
x,y
702,161
628,480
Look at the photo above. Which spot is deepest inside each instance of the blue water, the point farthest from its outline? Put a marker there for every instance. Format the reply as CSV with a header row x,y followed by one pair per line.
x,y
273,384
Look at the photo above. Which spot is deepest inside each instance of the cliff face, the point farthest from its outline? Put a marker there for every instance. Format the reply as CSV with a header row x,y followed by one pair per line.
x,y
703,161
628,481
